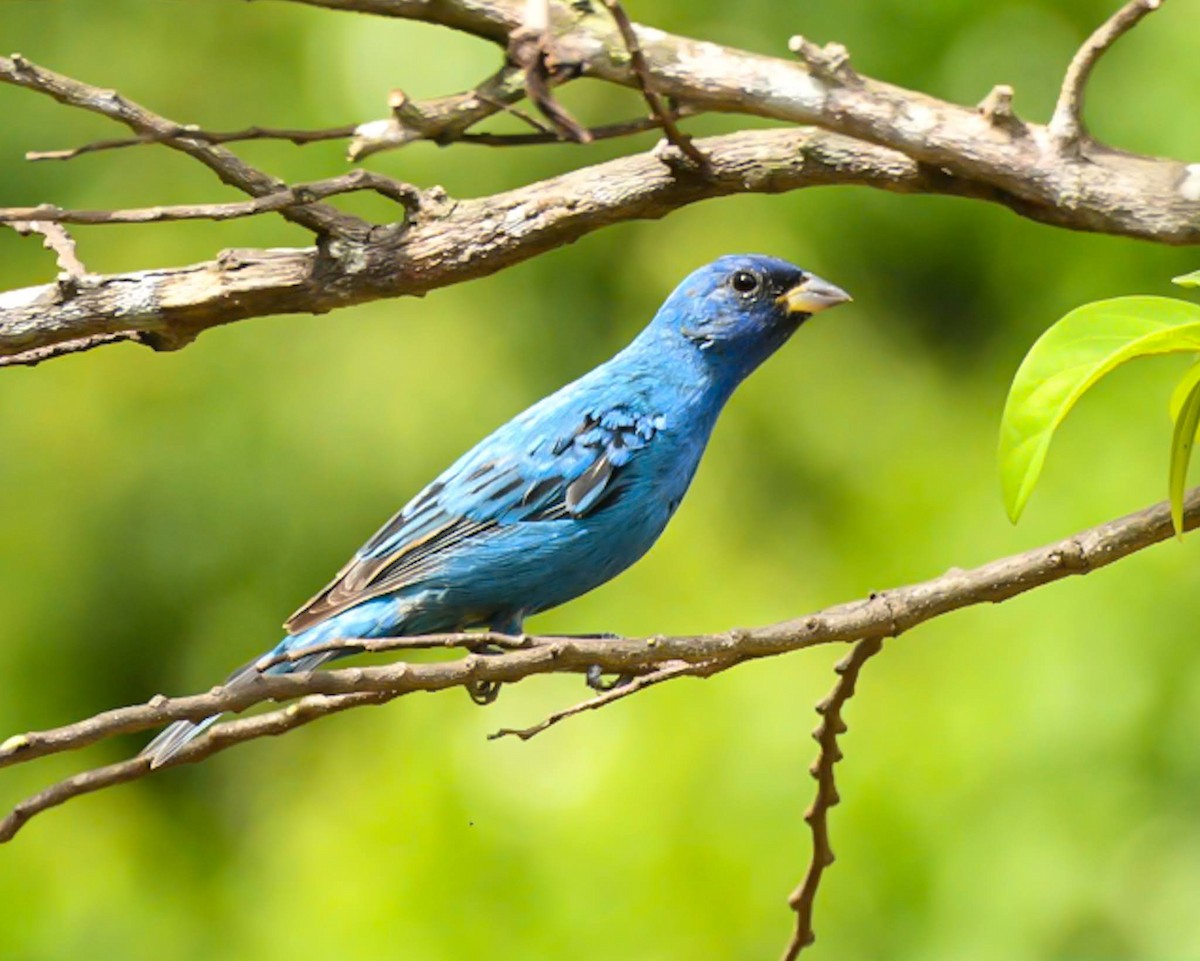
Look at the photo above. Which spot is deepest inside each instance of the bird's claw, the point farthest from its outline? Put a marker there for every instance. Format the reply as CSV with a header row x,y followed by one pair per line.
x,y
596,681
483,692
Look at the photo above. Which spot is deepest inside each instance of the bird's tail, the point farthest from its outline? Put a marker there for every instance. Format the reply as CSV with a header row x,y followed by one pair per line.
x,y
176,736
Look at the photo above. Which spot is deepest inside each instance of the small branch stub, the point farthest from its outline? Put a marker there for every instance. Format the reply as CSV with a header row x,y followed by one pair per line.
x,y
997,109
830,62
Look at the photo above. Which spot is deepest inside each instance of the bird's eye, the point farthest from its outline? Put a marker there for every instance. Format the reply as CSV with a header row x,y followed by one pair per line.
x,y
744,282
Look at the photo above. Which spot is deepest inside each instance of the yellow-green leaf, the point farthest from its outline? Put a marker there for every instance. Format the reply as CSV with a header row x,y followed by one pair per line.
x,y
1187,419
1181,391
1187,280
1070,357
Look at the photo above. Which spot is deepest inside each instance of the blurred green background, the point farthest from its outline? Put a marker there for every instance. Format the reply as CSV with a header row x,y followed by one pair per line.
x,y
1021,781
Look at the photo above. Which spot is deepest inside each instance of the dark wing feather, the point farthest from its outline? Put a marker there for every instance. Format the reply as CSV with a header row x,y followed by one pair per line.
x,y
557,477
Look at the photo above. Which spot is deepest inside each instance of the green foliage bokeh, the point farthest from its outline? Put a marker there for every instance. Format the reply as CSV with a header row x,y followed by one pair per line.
x,y
1020,781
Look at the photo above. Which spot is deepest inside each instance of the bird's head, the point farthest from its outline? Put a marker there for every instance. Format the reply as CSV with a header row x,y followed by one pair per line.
x,y
738,310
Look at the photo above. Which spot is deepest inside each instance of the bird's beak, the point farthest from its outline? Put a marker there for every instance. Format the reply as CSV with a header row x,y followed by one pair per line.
x,y
812,295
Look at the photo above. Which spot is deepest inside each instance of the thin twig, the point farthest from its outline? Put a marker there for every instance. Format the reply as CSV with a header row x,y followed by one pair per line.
x,y
441,120
1066,125
228,167
831,725
604,132
298,137
521,115
666,672
283,199
529,47
885,614
637,61
475,641
31,358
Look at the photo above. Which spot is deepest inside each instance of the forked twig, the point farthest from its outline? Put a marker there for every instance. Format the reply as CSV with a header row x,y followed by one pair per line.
x,y
665,672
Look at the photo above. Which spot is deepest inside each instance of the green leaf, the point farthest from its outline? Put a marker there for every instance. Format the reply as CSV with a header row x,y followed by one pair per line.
x,y
1070,357
1184,438
1187,280
1180,394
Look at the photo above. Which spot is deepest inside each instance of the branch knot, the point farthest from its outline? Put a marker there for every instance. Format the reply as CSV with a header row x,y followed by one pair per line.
x,y
830,62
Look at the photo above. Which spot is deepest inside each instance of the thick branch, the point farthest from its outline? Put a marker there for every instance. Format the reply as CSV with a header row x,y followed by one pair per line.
x,y
886,614
1115,192
447,242
905,142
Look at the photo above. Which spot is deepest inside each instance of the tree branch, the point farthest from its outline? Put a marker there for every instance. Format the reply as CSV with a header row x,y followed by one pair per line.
x,y
448,242
442,243
277,202
1116,192
41,221
832,725
890,138
641,71
663,672
1066,125
298,137
231,170
885,614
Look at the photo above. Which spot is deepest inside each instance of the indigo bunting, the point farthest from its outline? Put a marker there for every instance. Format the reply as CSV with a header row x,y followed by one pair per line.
x,y
565,495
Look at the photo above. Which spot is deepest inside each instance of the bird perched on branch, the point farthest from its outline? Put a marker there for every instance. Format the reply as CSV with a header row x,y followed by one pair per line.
x,y
565,495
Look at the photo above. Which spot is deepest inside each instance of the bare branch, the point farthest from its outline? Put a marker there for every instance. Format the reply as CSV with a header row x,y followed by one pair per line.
x,y
897,140
221,737
530,47
288,196
665,672
298,137
448,242
441,119
823,91
474,641
231,170
603,132
885,614
31,358
637,60
1066,125
828,754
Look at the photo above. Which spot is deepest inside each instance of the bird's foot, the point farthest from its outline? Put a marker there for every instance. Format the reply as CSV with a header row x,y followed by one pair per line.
x,y
597,682
484,693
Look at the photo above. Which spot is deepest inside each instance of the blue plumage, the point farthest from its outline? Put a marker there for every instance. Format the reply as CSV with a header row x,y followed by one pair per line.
x,y
569,493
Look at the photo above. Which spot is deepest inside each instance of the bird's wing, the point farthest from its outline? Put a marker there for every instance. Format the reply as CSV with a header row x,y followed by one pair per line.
x,y
556,476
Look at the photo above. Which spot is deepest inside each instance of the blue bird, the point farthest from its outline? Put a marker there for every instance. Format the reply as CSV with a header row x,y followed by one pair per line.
x,y
569,493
